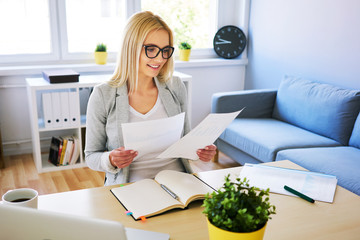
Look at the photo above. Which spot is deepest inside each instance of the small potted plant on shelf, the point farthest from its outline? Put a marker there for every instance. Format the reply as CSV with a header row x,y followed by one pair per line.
x,y
185,49
237,211
100,53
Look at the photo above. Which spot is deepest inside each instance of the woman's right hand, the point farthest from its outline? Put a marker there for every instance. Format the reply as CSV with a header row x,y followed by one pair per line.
x,y
121,158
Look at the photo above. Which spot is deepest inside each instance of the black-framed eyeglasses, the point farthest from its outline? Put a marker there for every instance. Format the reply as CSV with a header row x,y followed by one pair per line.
x,y
153,51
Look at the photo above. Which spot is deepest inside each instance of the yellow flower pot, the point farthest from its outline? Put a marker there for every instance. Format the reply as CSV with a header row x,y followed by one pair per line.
x,y
100,57
216,233
184,54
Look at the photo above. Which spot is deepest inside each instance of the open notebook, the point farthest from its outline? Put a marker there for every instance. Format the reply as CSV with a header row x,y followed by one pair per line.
x,y
170,189
22,223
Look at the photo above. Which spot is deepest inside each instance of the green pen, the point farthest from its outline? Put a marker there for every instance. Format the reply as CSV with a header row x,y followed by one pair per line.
x,y
299,194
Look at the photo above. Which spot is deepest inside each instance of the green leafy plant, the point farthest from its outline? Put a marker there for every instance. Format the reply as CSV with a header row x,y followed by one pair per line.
x,y
101,47
184,45
237,207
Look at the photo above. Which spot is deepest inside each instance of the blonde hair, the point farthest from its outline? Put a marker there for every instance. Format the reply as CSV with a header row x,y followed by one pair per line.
x,y
135,32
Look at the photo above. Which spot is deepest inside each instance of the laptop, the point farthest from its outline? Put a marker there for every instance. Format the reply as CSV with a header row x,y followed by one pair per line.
x,y
22,223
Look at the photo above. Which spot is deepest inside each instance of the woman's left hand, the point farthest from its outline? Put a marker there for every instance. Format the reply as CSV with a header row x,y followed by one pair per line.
x,y
207,153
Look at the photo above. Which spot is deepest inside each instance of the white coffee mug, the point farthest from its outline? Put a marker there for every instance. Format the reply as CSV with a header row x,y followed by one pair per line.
x,y
24,197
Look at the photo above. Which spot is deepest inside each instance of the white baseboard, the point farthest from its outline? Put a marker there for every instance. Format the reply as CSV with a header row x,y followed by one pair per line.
x,y
24,147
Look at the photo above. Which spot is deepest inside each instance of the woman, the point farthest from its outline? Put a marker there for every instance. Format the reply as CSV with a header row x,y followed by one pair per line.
x,y
142,88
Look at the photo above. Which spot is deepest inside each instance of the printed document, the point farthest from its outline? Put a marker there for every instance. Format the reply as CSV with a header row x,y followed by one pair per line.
x,y
318,186
202,135
152,136
164,135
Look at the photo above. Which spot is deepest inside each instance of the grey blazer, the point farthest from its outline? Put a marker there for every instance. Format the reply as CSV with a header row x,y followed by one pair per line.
x,y
108,107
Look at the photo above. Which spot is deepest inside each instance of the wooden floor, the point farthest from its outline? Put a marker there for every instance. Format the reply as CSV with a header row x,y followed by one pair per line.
x,y
20,172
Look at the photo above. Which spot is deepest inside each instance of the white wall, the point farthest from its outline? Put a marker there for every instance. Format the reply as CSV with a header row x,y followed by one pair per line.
x,y
319,40
209,80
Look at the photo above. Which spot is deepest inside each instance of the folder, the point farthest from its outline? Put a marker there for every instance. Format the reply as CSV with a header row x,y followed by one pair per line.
x,y
74,109
47,110
65,113
56,109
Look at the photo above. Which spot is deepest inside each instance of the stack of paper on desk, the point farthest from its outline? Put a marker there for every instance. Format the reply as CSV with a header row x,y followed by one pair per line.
x,y
318,186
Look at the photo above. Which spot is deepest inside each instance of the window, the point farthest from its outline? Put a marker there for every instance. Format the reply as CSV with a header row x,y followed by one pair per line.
x,y
24,27
102,22
194,22
67,31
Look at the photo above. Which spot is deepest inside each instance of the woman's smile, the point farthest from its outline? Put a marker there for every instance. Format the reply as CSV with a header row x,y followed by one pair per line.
x,y
153,66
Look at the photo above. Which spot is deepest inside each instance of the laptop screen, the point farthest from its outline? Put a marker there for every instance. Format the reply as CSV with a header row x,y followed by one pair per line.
x,y
22,223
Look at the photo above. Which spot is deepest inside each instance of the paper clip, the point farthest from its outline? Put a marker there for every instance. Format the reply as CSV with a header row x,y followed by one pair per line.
x,y
143,219
128,213
121,185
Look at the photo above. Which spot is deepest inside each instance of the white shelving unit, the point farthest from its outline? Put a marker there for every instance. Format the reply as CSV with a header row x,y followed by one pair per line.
x,y
41,135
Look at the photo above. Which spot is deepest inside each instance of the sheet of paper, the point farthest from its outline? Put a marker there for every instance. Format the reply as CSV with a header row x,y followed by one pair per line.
x,y
202,135
318,186
152,136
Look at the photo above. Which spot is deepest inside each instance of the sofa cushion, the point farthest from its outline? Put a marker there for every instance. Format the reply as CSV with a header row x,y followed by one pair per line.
x,y
343,162
355,136
321,108
263,138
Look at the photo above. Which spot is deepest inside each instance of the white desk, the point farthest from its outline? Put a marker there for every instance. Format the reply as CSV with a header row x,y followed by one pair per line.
x,y
295,217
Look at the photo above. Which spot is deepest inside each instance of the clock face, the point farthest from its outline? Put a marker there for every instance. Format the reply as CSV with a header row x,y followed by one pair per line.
x,y
229,42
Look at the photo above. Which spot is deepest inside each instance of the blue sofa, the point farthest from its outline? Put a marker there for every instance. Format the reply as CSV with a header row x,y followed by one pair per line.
x,y
314,125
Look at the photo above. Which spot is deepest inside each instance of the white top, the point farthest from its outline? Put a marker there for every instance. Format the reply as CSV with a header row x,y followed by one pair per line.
x,y
148,165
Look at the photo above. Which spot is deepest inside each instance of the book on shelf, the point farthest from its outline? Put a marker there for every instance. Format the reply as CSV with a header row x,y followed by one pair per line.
x,y
64,150
75,151
169,190
60,151
54,150
68,150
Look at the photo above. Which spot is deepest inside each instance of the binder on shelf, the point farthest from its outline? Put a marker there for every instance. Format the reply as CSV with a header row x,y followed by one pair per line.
x,y
84,94
65,112
47,110
74,109
56,109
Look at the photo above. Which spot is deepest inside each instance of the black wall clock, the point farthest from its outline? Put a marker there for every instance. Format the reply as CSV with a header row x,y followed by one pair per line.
x,y
229,42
